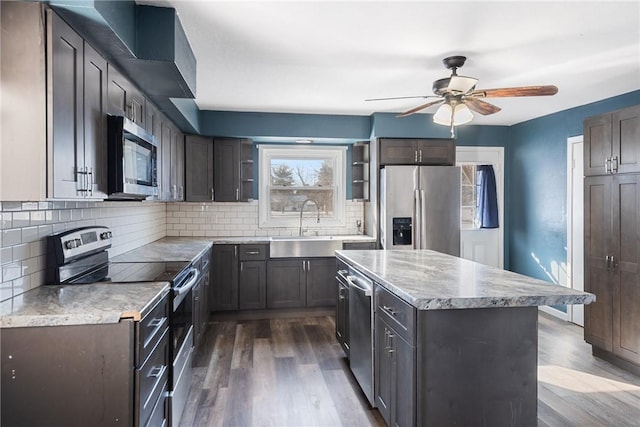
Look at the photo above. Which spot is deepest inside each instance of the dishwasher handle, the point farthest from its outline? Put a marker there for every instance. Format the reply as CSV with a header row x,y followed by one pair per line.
x,y
365,288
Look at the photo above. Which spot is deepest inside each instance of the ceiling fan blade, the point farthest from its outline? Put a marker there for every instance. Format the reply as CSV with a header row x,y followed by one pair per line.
x,y
516,91
420,107
480,106
402,97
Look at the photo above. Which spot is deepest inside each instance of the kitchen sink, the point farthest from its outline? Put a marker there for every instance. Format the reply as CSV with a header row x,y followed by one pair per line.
x,y
304,246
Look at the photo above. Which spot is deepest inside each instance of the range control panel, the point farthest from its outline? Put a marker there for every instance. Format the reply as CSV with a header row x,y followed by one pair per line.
x,y
79,242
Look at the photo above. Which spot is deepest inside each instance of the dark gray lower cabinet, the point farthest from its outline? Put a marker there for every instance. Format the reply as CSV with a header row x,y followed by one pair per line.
x,y
301,282
321,282
252,285
395,376
286,283
224,280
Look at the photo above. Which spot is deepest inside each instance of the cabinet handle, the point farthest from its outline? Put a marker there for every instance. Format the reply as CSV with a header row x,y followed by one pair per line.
x,y
212,194
614,264
237,194
608,261
90,188
252,252
241,266
415,156
614,167
308,265
156,371
420,161
607,163
235,251
388,309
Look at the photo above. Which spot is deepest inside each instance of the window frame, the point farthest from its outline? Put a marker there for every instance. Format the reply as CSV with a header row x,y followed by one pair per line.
x,y
267,152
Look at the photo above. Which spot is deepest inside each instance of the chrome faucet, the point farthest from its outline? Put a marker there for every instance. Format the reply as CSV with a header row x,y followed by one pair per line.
x,y
302,211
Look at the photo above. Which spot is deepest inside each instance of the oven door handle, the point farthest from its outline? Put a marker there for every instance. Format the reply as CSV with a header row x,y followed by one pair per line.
x,y
186,287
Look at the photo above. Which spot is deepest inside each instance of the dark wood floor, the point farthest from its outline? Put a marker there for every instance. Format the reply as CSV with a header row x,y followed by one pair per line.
x,y
292,372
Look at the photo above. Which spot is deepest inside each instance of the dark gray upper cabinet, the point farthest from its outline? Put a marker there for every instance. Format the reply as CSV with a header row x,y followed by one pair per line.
x,y
199,168
611,142
177,164
125,99
406,151
172,158
233,170
78,76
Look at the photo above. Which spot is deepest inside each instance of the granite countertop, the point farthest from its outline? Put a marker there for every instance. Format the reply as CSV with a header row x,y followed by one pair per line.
x,y
81,304
430,280
167,249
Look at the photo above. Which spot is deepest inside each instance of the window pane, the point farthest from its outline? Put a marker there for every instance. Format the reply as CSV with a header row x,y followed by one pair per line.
x,y
288,202
301,172
468,199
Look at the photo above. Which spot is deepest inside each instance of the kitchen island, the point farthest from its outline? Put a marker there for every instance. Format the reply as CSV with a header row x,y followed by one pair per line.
x,y
455,341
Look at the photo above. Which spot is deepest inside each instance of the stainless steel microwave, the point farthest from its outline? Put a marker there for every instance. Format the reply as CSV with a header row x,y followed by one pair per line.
x,y
132,160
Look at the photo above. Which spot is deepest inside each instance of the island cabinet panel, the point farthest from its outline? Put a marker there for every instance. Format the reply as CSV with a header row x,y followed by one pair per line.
x,y
612,142
224,280
496,379
395,355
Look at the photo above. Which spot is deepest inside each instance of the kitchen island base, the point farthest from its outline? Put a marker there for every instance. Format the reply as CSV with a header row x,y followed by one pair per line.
x,y
477,367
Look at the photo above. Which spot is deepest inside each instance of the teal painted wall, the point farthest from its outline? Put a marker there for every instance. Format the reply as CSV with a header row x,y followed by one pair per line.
x,y
537,186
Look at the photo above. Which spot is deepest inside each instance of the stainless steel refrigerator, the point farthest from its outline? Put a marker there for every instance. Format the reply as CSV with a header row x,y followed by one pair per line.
x,y
420,208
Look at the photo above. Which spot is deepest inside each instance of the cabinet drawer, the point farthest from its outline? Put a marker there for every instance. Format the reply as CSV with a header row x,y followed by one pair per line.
x,y
160,413
150,330
151,379
253,252
400,315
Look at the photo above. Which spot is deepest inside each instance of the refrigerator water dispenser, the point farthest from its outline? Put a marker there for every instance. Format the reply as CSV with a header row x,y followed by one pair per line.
x,y
402,231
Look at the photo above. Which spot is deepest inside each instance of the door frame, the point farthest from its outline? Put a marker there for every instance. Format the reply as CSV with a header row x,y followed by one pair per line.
x,y
570,191
499,153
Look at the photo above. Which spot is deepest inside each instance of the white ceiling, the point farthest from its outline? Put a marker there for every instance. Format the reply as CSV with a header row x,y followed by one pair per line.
x,y
326,57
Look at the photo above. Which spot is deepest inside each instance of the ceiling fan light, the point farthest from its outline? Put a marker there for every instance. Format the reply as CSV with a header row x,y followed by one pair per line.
x,y
461,116
443,115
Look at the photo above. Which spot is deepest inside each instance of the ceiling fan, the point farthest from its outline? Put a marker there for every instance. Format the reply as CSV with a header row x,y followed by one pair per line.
x,y
458,95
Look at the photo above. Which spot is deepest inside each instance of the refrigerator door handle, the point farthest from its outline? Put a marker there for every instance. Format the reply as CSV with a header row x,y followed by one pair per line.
x,y
423,221
417,218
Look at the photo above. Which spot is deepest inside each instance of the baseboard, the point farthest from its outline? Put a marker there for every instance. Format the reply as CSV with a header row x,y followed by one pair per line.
x,y
282,313
555,313
615,360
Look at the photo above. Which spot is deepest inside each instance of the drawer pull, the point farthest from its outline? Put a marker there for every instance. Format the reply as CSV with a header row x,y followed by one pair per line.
x,y
156,371
252,252
154,323
390,310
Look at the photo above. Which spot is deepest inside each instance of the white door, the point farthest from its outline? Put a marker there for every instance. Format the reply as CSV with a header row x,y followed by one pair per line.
x,y
484,245
575,226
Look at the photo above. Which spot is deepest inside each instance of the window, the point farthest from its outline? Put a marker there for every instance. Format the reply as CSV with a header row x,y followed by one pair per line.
x,y
479,204
468,201
293,177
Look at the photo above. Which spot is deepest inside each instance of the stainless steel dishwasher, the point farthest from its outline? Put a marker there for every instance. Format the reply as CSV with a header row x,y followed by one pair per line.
x,y
361,331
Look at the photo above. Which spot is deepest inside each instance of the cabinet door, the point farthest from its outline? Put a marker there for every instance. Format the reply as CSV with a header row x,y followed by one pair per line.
x,y
436,152
199,168
67,59
177,164
167,191
136,106
116,92
625,139
597,144
252,285
285,284
404,383
398,152
226,173
95,121
626,269
597,230
383,369
224,286
321,282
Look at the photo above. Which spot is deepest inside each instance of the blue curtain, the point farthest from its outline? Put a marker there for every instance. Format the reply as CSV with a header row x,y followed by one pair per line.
x,y
486,198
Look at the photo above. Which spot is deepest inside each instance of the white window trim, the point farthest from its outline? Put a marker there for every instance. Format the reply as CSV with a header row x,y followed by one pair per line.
x,y
267,152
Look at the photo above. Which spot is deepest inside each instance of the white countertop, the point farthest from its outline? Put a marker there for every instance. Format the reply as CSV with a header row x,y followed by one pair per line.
x,y
430,280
